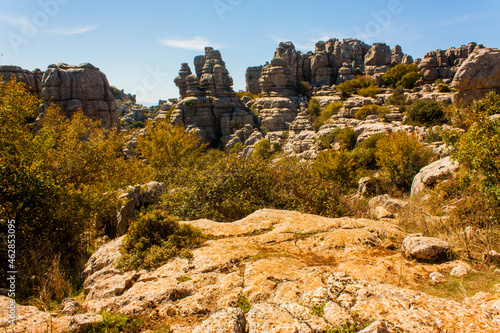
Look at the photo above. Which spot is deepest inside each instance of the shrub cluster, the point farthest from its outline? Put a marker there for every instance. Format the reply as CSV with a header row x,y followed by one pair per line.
x,y
402,75
426,112
359,85
372,109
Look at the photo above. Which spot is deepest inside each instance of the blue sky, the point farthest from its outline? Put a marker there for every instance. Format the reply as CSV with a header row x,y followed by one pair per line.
x,y
140,45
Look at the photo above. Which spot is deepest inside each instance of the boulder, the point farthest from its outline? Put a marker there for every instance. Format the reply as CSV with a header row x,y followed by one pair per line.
x,y
433,173
252,77
70,306
83,322
425,248
478,75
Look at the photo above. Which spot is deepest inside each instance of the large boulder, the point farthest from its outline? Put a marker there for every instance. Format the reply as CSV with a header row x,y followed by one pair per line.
x,y
230,320
433,173
425,248
82,87
478,75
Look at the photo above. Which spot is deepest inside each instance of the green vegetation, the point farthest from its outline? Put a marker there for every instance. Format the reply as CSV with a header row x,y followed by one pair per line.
x,y
444,88
242,94
52,182
243,303
372,109
359,84
304,88
116,323
426,112
402,75
183,279
400,157
154,238
320,116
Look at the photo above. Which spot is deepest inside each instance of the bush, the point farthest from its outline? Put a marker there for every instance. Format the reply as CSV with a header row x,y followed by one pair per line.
x,y
409,80
304,88
262,150
364,153
336,166
168,148
228,188
325,114
425,112
443,88
398,98
154,238
400,157
346,137
372,109
52,182
354,86
116,323
370,91
240,94
394,76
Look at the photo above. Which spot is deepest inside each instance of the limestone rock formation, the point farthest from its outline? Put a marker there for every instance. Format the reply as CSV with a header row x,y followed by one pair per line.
x,y
32,80
82,87
443,64
252,77
478,75
437,171
277,113
208,104
265,257
276,79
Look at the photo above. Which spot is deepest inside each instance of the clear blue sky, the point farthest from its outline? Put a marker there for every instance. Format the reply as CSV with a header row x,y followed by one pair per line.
x,y
140,45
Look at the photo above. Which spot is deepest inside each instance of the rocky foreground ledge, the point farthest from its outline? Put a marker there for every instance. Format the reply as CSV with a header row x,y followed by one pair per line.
x,y
294,272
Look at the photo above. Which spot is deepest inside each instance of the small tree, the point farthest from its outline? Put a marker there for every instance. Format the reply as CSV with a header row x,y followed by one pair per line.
x,y
402,75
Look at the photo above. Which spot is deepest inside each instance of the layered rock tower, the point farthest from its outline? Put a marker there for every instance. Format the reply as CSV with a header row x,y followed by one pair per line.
x,y
208,104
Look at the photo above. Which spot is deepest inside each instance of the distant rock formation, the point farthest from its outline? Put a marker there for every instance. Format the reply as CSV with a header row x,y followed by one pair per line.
x,y
32,80
478,75
82,87
332,62
443,64
209,106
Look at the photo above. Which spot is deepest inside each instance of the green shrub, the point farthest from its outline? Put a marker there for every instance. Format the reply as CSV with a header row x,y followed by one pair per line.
x,y
354,86
443,88
325,114
154,238
394,76
372,109
304,88
400,157
370,91
409,80
262,150
240,94
52,182
337,166
398,98
426,112
364,153
116,323
489,105
345,136
228,188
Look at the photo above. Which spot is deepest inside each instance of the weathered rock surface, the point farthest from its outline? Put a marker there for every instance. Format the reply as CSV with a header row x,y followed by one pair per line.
x,y
209,105
82,87
433,173
478,75
285,264
32,80
425,248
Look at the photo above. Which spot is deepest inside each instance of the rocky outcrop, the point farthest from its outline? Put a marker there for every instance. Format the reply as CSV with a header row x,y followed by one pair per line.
x,y
277,113
478,75
208,104
276,79
32,80
433,173
82,87
252,77
443,64
294,271
333,62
